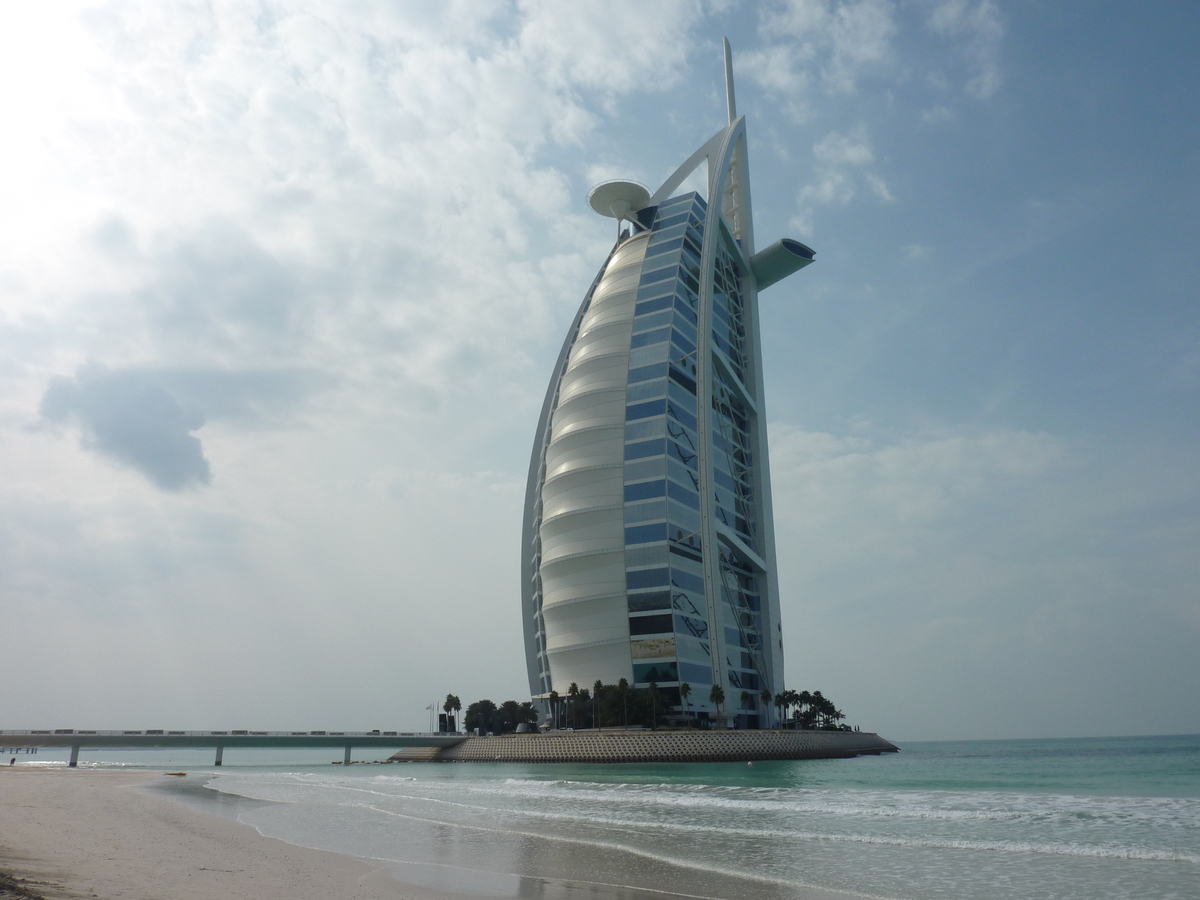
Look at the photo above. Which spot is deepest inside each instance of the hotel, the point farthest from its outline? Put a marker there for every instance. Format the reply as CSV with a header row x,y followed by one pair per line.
x,y
648,548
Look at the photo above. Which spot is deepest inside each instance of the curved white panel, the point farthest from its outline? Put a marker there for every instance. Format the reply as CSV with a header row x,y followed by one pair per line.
x,y
583,527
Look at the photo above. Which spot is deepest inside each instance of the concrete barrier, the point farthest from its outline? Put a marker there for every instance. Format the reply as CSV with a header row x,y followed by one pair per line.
x,y
660,746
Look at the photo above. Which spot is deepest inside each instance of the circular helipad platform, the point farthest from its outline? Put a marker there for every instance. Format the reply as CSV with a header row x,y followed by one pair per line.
x,y
618,199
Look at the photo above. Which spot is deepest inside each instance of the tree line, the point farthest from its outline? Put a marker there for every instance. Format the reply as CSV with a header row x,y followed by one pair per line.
x,y
621,704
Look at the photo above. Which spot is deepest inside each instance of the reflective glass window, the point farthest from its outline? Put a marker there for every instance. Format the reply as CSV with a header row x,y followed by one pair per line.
x,y
684,326
683,343
654,320
664,247
647,390
646,338
685,603
648,306
681,473
647,428
644,673
669,233
678,395
687,581
680,378
651,624
647,373
694,673
646,578
641,469
649,278
645,448
680,414
651,601
682,494
646,555
645,490
685,455
650,511
667,219
646,534
688,625
685,524
644,356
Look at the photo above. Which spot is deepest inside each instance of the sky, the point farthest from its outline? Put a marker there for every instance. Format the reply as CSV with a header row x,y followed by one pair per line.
x,y
282,283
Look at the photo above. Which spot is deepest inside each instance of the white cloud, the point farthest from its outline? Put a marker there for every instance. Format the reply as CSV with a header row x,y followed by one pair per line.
x,y
978,28
830,42
302,253
843,164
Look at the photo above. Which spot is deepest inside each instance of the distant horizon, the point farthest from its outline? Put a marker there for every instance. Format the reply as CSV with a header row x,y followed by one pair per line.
x,y
897,740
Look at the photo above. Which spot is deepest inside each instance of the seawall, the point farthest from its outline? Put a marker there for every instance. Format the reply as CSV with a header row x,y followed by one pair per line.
x,y
658,746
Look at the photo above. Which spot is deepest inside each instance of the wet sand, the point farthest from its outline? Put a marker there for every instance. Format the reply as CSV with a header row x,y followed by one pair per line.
x,y
119,835
74,834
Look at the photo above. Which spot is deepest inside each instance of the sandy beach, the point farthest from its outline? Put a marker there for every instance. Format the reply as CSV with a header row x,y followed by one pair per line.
x,y
81,834
146,835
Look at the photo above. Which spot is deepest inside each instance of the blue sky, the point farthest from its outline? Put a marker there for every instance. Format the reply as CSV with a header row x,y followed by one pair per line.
x,y
281,285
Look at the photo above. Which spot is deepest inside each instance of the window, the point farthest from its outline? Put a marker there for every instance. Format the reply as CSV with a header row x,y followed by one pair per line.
x,y
650,625
646,578
687,581
650,601
688,625
649,338
645,448
695,674
646,373
644,673
645,490
646,534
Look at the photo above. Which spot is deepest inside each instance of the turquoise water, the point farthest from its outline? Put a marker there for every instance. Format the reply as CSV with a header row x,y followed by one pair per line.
x,y
993,820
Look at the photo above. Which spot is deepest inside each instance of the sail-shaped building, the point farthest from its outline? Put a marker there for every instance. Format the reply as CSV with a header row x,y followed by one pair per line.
x,y
648,549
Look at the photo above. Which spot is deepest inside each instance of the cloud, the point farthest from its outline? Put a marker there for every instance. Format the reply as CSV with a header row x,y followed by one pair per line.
x,y
978,28
833,43
131,420
843,165
145,418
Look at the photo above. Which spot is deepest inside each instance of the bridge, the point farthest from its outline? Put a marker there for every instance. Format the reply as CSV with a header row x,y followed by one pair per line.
x,y
347,740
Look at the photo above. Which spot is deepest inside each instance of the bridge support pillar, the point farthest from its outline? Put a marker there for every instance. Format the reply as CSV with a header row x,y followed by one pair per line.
x,y
347,759
74,763
220,755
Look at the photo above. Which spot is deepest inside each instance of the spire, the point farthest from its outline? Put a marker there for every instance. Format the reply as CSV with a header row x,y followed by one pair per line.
x,y
729,82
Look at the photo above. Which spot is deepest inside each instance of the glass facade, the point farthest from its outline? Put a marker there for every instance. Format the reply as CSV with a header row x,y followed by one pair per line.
x,y
649,549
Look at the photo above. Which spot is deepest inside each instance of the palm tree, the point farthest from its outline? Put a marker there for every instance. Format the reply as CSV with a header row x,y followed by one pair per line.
x,y
765,697
452,704
653,687
528,714
746,698
482,715
803,699
623,689
685,690
554,698
781,705
716,697
596,688
573,693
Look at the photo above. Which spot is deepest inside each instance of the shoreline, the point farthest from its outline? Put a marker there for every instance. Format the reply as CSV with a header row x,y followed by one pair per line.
x,y
72,833
66,834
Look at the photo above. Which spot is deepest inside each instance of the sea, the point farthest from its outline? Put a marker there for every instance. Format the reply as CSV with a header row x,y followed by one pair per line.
x,y
986,820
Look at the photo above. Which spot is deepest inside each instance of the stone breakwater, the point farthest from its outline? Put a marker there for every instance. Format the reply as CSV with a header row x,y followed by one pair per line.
x,y
658,746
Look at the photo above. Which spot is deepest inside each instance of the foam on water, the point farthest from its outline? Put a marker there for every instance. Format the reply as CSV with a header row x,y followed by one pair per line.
x,y
784,826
